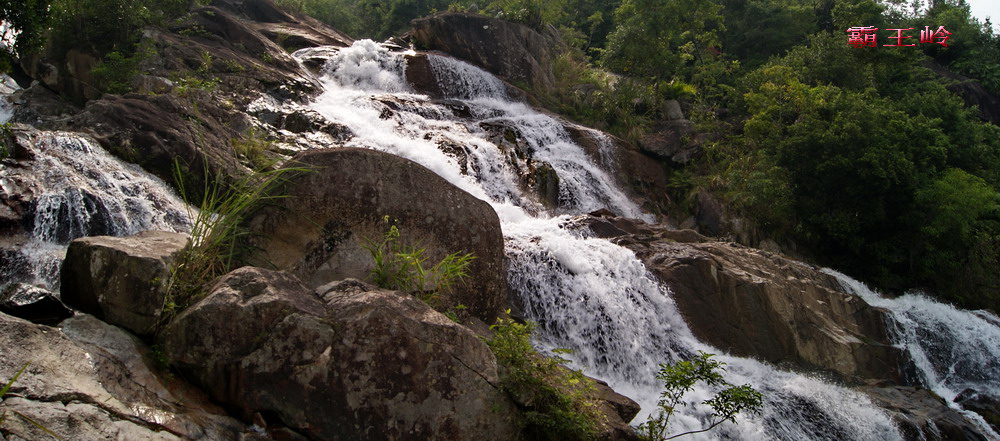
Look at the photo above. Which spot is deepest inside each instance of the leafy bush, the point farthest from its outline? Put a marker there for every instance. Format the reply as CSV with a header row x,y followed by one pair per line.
x,y
400,266
680,378
557,402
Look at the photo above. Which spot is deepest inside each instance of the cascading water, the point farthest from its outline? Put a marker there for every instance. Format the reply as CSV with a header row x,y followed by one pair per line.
x,y
81,190
587,294
954,351
7,88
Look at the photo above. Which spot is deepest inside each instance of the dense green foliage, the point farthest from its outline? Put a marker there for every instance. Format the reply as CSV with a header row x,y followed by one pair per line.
x,y
681,378
557,403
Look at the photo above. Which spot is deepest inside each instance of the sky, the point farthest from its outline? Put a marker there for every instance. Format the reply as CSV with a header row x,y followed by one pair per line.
x,y
986,8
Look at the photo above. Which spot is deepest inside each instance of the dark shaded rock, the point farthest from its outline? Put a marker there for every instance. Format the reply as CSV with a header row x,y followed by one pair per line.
x,y
512,51
154,131
318,231
620,410
420,75
348,361
640,174
292,32
674,140
121,280
709,214
67,74
971,91
32,303
921,415
985,405
38,106
92,381
754,303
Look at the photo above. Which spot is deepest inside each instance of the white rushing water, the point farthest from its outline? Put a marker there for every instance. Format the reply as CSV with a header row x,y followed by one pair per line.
x,y
953,350
81,190
587,294
7,88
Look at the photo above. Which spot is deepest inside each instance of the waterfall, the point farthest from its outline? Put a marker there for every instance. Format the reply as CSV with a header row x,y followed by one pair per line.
x,y
587,294
953,350
81,190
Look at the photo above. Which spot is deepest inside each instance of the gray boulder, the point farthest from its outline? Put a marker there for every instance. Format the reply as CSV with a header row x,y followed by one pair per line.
x,y
121,280
346,362
92,381
318,231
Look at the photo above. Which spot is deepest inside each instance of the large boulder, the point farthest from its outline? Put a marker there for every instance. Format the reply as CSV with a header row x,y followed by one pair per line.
x,y
757,304
345,362
515,52
318,231
91,381
121,280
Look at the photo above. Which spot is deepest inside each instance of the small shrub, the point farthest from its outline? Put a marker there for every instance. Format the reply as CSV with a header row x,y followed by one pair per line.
x,y
680,378
557,402
252,147
400,266
219,239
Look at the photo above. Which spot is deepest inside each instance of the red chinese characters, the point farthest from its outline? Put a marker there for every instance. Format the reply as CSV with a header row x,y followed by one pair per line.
x,y
865,36
900,37
926,36
861,36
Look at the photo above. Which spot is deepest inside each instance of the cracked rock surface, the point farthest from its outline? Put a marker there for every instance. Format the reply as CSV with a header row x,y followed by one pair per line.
x,y
92,381
347,361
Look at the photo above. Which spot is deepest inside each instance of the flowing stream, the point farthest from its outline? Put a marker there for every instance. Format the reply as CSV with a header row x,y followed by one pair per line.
x,y
79,190
587,294
954,351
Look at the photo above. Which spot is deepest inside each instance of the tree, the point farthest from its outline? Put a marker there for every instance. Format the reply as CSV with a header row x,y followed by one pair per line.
x,y
663,38
680,378
22,24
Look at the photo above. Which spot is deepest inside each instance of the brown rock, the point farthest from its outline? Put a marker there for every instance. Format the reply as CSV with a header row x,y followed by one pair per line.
x,y
318,231
121,280
673,140
757,304
512,51
348,362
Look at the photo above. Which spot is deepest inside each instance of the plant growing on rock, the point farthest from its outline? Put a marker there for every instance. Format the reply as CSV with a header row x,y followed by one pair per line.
x,y
680,378
400,266
218,237
3,415
557,403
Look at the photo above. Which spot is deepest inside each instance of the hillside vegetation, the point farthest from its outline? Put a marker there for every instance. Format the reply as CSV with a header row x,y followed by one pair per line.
x,y
864,158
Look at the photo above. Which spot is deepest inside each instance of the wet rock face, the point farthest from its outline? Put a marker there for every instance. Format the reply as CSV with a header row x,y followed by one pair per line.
x,y
757,304
634,170
513,51
88,380
369,364
33,303
121,280
921,415
318,231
